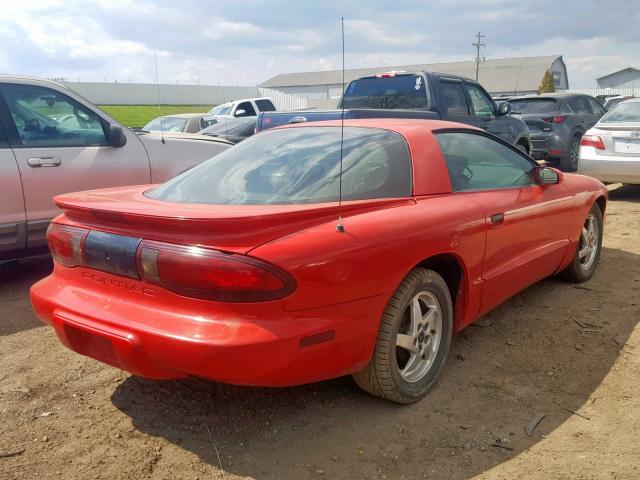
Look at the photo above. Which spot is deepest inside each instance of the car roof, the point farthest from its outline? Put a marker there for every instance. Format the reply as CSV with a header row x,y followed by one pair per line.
x,y
399,125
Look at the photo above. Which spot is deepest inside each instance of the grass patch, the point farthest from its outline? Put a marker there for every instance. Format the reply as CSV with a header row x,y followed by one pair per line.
x,y
137,116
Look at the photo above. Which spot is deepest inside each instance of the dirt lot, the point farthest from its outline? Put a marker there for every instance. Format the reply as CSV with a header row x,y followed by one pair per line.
x,y
555,347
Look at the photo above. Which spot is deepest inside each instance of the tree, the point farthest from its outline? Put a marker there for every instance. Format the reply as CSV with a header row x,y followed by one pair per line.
x,y
547,85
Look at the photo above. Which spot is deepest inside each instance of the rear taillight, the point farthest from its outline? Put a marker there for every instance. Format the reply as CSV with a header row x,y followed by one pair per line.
x,y
190,271
66,244
592,141
210,275
556,119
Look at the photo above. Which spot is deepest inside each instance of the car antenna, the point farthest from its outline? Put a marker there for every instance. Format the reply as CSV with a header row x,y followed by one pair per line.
x,y
161,110
340,226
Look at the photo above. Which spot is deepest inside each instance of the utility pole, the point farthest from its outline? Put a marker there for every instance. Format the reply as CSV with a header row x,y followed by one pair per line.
x,y
478,44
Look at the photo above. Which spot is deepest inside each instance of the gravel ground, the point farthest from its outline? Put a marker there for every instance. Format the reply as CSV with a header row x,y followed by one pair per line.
x,y
569,352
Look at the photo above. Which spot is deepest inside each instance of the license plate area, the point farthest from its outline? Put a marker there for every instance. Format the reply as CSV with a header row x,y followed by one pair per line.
x,y
626,145
112,253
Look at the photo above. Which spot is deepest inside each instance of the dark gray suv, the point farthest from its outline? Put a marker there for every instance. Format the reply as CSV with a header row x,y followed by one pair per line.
x,y
557,121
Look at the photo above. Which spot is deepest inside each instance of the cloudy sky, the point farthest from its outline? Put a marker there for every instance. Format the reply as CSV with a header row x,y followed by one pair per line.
x,y
248,41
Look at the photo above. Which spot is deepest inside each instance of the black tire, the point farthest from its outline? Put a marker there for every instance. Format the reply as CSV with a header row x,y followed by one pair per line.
x,y
569,161
579,271
382,376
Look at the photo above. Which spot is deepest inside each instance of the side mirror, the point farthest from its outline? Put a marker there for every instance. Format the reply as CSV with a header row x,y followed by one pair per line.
x,y
116,137
548,176
504,108
240,112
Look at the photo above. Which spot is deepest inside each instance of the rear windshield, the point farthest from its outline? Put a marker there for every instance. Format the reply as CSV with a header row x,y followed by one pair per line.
x,y
400,91
297,166
166,124
623,112
534,105
265,106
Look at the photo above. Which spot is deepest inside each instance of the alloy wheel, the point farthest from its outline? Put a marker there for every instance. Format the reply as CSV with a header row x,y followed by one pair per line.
x,y
588,246
419,337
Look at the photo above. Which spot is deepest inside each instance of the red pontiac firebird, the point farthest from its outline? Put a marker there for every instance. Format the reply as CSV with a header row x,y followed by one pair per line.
x,y
315,251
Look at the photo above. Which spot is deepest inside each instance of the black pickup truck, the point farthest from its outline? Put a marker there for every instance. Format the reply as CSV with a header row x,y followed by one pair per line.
x,y
416,95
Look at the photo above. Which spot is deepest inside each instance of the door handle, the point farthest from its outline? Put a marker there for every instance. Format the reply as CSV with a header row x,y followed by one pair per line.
x,y
497,219
37,162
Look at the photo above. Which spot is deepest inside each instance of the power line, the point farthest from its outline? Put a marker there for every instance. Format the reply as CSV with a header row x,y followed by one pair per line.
x,y
478,44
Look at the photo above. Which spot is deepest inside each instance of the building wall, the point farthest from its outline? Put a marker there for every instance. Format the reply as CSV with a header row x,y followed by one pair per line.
x,y
559,72
623,79
147,93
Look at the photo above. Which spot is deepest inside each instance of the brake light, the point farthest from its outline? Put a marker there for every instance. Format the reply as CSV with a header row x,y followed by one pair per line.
x,y
66,244
210,275
592,141
556,119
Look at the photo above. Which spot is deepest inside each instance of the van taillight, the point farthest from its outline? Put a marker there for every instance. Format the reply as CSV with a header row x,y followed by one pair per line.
x,y
211,275
66,244
592,141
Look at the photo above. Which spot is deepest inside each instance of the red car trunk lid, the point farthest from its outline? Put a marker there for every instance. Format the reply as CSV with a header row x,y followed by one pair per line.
x,y
234,228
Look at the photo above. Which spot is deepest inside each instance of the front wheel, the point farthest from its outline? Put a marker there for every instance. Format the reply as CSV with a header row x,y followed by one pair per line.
x,y
413,340
585,261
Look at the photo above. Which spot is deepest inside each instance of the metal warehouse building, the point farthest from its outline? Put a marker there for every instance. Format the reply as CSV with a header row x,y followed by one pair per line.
x,y
625,78
506,76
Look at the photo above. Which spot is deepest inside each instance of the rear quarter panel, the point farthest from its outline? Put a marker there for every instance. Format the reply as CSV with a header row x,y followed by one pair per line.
x,y
378,249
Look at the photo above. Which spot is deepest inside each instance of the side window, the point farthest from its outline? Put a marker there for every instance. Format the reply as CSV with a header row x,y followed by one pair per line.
x,y
482,104
249,111
566,109
579,105
267,106
596,108
3,136
455,101
47,118
477,162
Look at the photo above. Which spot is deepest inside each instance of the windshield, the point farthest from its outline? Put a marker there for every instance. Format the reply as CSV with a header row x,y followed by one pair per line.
x,y
400,91
166,124
543,106
298,166
224,109
623,112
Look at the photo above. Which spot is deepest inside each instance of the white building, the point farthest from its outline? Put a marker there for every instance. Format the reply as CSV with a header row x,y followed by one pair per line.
x,y
506,76
625,78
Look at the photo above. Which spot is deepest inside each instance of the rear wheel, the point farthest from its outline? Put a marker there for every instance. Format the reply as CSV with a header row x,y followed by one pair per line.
x,y
413,340
569,162
585,261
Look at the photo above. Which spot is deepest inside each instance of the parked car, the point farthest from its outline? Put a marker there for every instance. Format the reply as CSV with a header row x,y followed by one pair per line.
x,y
611,102
180,122
422,95
557,122
247,107
53,141
610,151
282,262
234,130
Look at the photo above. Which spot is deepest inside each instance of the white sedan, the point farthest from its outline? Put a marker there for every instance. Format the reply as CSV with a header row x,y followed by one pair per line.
x,y
610,151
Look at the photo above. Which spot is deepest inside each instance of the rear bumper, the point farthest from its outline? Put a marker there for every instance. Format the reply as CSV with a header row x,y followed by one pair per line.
x,y
547,146
158,334
609,168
